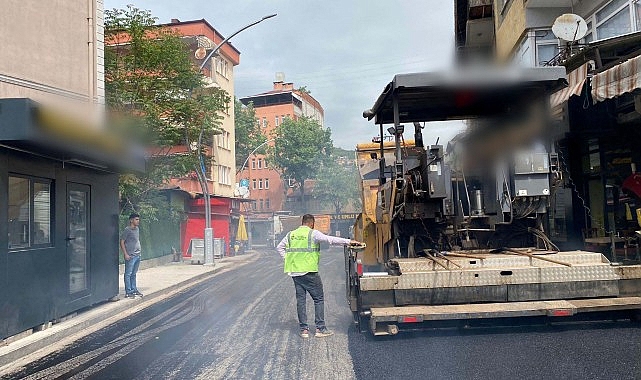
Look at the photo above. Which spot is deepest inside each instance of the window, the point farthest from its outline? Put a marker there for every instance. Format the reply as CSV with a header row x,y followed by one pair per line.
x,y
264,122
609,9
258,122
253,183
537,48
589,37
254,205
615,18
547,46
222,67
616,25
224,139
224,175
276,123
267,204
260,184
266,183
261,204
253,164
29,211
260,163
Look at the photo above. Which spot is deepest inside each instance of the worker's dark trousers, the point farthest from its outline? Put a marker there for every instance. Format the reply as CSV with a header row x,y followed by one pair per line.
x,y
310,283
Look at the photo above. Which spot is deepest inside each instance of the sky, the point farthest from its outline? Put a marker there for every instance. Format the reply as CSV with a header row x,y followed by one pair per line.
x,y
343,52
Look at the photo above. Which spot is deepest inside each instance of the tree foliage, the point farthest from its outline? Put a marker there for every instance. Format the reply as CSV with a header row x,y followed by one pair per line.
x,y
155,94
300,148
304,90
248,135
337,185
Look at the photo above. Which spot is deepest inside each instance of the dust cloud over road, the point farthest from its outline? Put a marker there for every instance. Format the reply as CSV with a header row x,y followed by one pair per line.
x,y
241,324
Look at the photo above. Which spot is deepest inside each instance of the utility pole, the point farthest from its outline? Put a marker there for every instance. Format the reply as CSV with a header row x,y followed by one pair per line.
x,y
202,172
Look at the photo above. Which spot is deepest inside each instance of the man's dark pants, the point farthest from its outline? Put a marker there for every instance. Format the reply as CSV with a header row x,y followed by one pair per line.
x,y
310,283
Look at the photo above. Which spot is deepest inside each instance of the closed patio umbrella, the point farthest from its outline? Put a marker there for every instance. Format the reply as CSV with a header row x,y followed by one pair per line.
x,y
241,234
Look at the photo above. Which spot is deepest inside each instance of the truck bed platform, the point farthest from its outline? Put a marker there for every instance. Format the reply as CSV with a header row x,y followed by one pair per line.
x,y
388,317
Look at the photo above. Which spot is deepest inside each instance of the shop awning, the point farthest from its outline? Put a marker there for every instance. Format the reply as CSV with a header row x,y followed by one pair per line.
x,y
622,78
576,81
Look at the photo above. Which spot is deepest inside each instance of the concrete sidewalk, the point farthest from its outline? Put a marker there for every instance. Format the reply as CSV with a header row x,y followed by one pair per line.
x,y
157,284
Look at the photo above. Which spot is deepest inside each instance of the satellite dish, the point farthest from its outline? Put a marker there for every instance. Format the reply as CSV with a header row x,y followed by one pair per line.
x,y
200,53
570,27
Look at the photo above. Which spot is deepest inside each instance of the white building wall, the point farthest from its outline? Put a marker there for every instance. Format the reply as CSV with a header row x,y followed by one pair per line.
x,y
223,171
50,52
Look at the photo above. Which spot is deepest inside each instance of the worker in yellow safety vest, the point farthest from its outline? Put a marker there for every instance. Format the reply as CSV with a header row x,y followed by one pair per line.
x,y
301,250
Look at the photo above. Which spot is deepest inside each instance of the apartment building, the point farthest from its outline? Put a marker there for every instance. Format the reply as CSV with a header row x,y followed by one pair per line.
x,y
597,115
201,38
58,168
270,191
272,108
218,72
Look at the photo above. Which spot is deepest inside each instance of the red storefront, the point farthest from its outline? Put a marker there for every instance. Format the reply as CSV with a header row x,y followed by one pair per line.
x,y
222,213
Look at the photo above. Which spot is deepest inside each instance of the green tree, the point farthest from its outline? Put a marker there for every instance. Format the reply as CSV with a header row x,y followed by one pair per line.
x,y
155,93
304,90
300,148
248,135
337,185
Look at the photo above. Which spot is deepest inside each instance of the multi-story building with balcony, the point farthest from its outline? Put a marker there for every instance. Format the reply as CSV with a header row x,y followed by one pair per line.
x,y
218,72
268,188
201,37
272,108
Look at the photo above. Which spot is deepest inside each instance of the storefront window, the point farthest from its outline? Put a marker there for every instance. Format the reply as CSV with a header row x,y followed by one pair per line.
x,y
19,211
29,212
41,213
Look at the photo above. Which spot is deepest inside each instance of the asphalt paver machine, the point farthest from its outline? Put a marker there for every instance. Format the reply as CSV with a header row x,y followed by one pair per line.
x,y
458,233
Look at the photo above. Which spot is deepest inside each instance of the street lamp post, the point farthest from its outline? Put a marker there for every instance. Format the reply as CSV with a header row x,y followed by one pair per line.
x,y
249,222
209,253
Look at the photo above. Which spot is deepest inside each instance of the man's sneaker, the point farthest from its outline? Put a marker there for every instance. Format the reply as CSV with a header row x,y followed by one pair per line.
x,y
130,295
324,333
137,293
304,334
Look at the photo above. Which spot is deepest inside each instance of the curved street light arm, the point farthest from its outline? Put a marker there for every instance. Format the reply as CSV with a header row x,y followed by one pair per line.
x,y
229,38
252,152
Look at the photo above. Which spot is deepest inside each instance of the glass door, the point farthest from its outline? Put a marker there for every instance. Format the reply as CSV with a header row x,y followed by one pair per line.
x,y
78,198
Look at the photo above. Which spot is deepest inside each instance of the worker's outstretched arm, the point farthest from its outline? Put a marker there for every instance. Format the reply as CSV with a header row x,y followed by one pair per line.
x,y
320,237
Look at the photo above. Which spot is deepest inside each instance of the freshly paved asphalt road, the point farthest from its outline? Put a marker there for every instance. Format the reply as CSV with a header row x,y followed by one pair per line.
x,y
242,325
